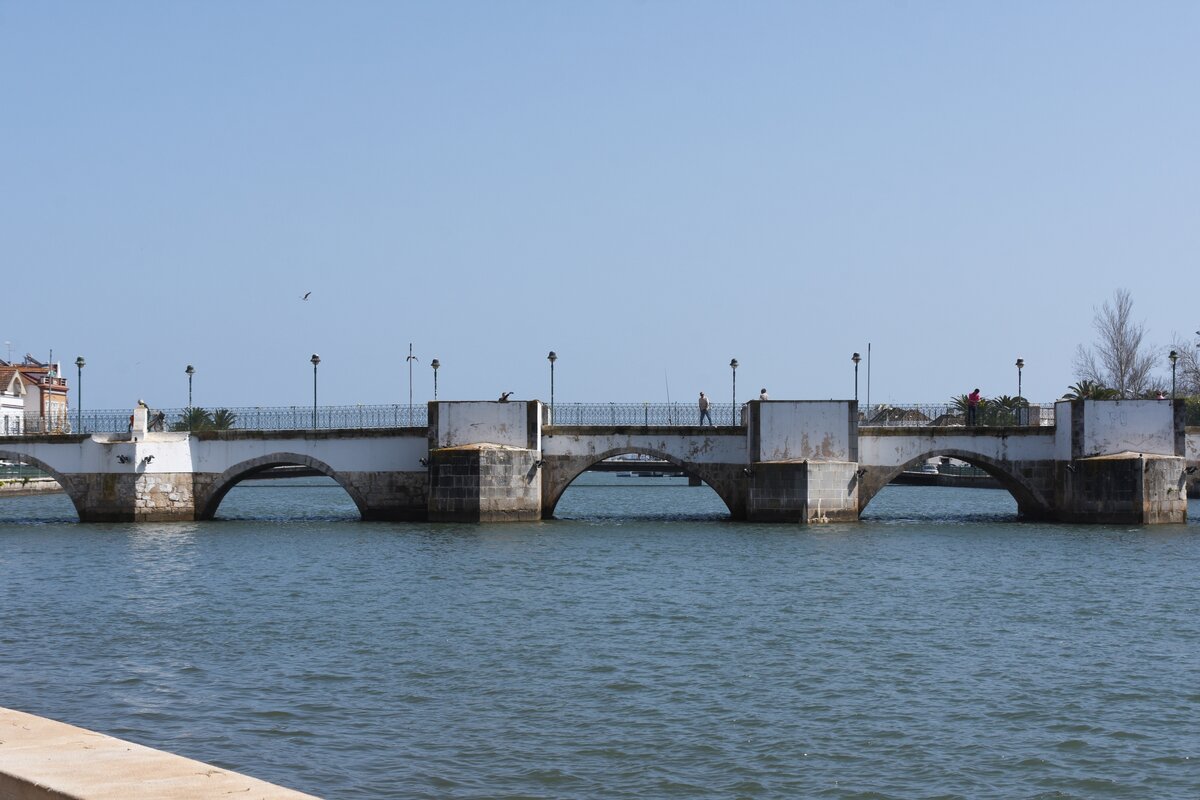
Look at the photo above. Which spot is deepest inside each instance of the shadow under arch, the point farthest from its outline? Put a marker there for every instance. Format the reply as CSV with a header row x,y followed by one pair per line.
x,y
75,493
1031,500
561,471
207,505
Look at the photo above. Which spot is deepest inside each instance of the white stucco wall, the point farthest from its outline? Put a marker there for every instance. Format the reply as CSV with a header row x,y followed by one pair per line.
x,y
392,453
1193,447
895,451
1118,426
179,452
461,423
692,449
793,430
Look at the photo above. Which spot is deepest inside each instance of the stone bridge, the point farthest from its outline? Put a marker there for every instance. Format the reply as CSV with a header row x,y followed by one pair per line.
x,y
790,461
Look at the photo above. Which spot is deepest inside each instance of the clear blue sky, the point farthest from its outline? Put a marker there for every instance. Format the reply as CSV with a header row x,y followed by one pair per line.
x,y
648,188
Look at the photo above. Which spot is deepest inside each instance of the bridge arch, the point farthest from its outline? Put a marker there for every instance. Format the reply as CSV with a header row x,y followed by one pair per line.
x,y
559,472
69,486
208,500
1032,498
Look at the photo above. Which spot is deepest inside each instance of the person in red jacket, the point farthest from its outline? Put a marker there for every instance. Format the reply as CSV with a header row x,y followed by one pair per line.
x,y
972,405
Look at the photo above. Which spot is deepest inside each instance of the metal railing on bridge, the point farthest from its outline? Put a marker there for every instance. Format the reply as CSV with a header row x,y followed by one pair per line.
x,y
644,414
255,418
988,415
416,416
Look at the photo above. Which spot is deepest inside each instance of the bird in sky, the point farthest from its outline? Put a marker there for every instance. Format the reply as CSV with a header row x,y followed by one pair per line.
x,y
306,294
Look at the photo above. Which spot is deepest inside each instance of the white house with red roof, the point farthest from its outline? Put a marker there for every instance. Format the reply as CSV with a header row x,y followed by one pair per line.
x,y
33,398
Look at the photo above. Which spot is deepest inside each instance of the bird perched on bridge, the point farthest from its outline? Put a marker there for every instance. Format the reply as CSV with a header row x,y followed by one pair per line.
x,y
504,397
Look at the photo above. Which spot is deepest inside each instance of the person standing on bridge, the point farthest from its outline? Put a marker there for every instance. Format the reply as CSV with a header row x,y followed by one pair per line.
x,y
704,410
972,406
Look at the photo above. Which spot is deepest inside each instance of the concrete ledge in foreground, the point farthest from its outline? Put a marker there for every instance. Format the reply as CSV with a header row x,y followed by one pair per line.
x,y
41,759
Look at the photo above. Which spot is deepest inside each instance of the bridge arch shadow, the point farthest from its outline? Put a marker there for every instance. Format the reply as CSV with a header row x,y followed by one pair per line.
x,y
73,491
560,472
209,500
1031,498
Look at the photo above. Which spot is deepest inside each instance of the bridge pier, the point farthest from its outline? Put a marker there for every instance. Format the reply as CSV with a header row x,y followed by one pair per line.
x,y
484,483
1124,489
805,491
134,497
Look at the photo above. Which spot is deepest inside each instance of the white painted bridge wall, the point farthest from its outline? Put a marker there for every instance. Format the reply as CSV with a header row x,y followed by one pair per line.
x,y
1120,426
180,452
898,451
690,449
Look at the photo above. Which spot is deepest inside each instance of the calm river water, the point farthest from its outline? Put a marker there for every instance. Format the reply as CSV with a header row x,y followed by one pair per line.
x,y
641,646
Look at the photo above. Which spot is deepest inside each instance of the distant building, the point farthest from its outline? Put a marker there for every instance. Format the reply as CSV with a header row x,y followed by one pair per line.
x,y
12,400
43,394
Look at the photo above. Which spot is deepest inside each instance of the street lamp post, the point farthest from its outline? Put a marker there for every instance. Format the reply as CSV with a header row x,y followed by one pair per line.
x,y
733,365
552,358
190,372
79,365
435,364
1020,366
411,358
856,358
316,359
1174,356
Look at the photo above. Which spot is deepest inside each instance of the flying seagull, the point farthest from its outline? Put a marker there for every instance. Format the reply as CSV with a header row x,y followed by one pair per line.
x,y
306,294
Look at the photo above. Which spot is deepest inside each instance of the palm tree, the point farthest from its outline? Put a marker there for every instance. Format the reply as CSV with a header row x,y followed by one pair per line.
x,y
193,419
1090,390
223,419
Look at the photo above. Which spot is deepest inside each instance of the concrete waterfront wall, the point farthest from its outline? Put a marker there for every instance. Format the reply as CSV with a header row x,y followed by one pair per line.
x,y
41,759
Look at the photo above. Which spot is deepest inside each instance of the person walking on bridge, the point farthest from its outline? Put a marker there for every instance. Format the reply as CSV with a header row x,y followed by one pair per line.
x,y
704,415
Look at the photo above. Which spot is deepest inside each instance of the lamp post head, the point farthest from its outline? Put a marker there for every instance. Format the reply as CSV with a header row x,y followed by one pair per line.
x,y
190,370
733,363
1020,363
435,364
316,359
552,357
1174,356
856,358
79,362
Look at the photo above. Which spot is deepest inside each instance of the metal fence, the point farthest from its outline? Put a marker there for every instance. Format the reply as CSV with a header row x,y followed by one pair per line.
x,y
645,414
416,416
950,414
252,418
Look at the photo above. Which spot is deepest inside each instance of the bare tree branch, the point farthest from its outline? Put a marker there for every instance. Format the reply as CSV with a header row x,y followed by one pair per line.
x,y
1117,359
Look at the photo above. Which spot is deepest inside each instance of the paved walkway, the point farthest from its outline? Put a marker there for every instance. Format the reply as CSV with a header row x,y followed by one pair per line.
x,y
41,759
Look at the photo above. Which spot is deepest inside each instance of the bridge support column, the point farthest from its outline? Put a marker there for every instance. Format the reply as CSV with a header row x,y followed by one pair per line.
x,y
135,497
1126,489
484,483
804,491
390,496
